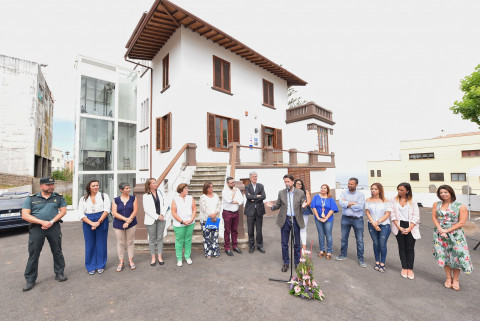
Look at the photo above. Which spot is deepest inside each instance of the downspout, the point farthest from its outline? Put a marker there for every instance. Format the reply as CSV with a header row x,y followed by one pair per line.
x,y
151,103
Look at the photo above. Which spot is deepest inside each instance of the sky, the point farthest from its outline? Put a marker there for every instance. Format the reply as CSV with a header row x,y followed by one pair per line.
x,y
389,70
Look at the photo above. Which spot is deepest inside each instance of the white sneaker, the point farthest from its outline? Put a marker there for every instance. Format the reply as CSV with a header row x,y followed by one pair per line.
x,y
179,263
189,261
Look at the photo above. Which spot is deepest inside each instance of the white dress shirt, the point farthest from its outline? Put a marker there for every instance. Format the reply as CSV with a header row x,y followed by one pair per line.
x,y
228,198
87,207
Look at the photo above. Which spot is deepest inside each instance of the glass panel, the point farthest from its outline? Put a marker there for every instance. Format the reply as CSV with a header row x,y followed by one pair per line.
x,y
126,178
96,146
126,146
127,96
99,97
225,133
105,181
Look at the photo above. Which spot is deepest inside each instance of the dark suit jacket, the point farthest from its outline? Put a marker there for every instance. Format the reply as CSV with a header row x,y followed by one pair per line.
x,y
254,200
282,203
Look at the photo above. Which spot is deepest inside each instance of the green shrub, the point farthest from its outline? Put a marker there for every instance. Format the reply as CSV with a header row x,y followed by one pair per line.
x,y
68,198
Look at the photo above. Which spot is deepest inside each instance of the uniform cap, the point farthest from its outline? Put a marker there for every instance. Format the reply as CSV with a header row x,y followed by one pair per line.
x,y
47,180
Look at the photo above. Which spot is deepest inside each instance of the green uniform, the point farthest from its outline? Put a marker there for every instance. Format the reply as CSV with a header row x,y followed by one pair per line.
x,y
44,209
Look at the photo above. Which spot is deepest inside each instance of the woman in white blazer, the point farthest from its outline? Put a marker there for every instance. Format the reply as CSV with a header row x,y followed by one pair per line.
x,y
405,219
155,208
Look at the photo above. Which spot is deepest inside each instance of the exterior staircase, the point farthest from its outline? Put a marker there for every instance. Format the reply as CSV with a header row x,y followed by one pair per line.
x,y
203,174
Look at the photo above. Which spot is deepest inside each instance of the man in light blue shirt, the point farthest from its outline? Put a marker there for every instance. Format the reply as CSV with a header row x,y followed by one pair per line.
x,y
352,203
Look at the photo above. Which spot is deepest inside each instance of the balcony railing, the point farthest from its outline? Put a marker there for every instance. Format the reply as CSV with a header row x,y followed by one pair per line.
x,y
308,111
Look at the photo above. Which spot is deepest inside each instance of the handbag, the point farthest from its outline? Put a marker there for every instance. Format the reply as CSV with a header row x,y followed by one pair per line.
x,y
210,224
110,215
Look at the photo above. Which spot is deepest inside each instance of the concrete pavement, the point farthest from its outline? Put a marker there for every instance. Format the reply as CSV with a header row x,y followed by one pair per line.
x,y
233,288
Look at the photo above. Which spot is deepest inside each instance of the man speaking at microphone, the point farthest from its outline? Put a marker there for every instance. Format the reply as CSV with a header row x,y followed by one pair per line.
x,y
290,202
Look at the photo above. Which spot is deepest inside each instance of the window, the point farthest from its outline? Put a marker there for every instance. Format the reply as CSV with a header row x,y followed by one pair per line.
x,y
165,83
221,74
126,156
471,153
164,133
144,157
268,93
272,137
436,177
322,139
421,156
97,97
145,117
96,146
222,131
414,177
372,173
379,173
40,92
458,177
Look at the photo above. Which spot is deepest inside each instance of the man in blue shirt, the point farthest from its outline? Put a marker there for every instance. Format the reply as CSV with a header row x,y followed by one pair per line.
x,y
352,202
44,211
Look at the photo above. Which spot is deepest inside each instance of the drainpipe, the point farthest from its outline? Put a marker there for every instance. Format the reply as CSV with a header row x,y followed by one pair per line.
x,y
151,103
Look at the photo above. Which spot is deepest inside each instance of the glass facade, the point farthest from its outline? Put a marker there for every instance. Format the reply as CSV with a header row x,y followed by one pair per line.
x,y
105,181
96,145
126,178
97,97
127,96
126,146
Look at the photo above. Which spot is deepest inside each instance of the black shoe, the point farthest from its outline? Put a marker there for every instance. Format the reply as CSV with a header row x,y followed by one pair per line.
x,y
285,268
229,253
153,264
161,263
260,249
251,250
60,277
238,250
28,286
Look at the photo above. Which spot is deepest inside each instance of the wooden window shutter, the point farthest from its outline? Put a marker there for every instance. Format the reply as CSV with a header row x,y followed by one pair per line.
x,y
226,75
169,134
159,134
217,72
278,139
270,94
211,130
263,136
236,130
265,92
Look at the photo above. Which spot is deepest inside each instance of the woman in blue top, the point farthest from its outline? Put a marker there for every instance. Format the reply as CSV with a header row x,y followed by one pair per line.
x,y
323,206
124,209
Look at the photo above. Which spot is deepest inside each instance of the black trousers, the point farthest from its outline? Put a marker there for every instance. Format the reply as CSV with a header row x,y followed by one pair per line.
x,y
406,247
36,238
255,223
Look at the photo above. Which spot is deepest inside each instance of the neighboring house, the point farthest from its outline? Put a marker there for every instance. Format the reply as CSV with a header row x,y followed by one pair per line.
x,y
26,106
428,163
58,163
69,164
202,86
105,126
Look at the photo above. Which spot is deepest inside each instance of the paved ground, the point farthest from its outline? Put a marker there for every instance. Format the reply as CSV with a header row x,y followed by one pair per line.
x,y
234,288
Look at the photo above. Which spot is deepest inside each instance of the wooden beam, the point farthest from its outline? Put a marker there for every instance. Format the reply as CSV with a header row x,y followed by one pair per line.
x,y
164,22
208,30
170,15
202,26
190,23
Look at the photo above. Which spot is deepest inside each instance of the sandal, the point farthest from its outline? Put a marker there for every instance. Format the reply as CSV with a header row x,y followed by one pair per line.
x,y
91,272
448,283
376,266
321,254
329,256
100,271
120,267
132,265
381,268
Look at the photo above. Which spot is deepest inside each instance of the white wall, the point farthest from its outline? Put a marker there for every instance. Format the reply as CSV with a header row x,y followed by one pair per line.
x,y
318,178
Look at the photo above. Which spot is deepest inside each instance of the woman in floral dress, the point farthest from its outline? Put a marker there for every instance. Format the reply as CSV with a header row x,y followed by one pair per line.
x,y
450,247
210,207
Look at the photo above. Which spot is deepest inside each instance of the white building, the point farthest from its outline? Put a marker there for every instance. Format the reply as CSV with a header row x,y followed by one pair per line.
x,y
105,126
26,106
58,162
211,90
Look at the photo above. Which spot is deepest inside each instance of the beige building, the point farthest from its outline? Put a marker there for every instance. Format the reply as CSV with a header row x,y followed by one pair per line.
x,y
429,163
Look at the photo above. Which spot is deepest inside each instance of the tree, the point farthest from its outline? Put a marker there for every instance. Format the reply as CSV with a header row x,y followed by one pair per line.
x,y
63,175
292,100
469,106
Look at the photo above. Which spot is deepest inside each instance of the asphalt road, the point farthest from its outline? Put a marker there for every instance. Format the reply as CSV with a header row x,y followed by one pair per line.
x,y
234,288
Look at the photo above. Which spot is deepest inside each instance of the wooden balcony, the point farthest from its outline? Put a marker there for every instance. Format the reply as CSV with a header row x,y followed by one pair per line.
x,y
309,110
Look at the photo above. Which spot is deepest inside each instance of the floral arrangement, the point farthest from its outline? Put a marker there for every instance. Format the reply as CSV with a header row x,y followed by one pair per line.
x,y
304,285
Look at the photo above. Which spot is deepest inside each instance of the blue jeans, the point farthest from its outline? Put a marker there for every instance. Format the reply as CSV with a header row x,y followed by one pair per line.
x,y
95,243
325,231
357,224
285,230
380,239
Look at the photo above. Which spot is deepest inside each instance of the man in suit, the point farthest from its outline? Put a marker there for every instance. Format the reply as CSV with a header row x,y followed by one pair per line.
x,y
290,202
254,210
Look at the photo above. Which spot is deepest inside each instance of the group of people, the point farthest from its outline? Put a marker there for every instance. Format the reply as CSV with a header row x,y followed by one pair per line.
x,y
399,215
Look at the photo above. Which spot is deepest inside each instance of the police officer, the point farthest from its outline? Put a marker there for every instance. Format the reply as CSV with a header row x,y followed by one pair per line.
x,y
44,211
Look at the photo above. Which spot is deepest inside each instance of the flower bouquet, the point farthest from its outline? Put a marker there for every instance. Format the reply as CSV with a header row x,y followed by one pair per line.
x,y
303,285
